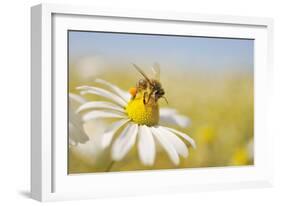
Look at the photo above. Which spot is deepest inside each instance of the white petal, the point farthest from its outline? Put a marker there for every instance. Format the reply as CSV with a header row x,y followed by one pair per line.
x,y
103,93
125,95
100,105
146,146
124,142
101,114
171,117
110,131
171,151
185,136
175,141
77,98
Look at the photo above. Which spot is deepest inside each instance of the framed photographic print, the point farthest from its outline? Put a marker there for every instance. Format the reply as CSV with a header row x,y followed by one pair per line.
x,y
134,102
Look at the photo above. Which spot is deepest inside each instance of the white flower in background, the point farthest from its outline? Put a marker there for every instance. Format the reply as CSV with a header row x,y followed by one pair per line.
x,y
136,123
91,153
171,117
84,138
88,67
76,130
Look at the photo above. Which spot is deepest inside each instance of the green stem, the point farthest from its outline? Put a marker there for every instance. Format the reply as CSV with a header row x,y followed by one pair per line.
x,y
109,166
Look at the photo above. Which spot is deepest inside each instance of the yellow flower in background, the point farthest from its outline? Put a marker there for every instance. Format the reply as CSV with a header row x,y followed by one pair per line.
x,y
240,157
243,154
137,121
205,134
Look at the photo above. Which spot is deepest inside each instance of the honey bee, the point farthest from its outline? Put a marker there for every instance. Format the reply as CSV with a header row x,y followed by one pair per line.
x,y
150,87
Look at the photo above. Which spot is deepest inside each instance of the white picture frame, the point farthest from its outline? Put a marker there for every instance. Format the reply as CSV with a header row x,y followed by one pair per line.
x,y
49,178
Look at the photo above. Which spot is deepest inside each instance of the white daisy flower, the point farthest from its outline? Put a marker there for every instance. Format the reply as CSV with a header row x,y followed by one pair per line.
x,y
76,131
136,122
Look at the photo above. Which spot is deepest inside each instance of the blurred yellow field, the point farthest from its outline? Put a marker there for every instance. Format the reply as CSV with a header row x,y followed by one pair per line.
x,y
218,104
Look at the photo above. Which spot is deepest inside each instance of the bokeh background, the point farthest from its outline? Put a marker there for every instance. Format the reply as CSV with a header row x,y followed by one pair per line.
x,y
210,80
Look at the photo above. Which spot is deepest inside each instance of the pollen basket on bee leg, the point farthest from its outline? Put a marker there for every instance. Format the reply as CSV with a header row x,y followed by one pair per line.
x,y
133,91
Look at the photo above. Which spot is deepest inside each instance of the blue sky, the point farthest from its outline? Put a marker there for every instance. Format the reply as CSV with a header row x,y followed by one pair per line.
x,y
188,52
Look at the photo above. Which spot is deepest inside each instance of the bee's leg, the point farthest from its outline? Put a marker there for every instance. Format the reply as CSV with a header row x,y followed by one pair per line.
x,y
144,96
149,96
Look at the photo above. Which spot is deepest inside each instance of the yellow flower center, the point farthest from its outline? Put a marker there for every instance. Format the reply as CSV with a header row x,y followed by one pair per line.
x,y
144,114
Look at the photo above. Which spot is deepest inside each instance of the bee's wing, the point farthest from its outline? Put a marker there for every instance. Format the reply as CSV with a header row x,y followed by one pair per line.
x,y
142,73
156,71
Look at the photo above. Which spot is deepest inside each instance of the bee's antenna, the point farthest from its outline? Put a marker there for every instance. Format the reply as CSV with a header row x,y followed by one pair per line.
x,y
142,73
166,99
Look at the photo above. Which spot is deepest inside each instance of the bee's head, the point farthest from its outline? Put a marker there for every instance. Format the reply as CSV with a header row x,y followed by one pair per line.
x,y
158,91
